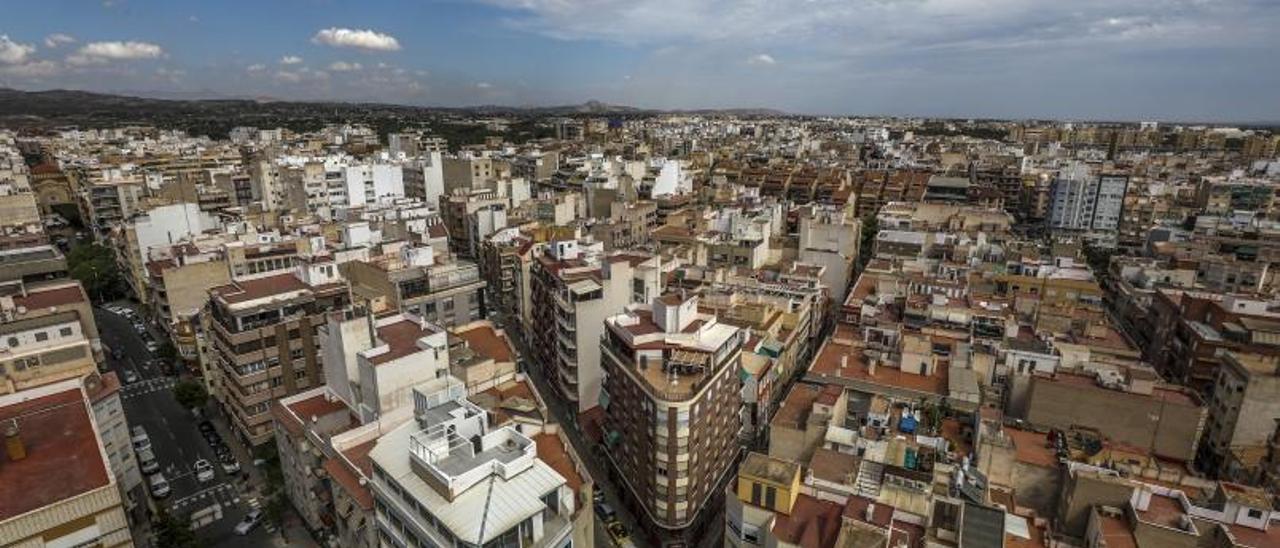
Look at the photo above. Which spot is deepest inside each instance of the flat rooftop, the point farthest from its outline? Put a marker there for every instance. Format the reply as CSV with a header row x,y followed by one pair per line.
x,y
828,363
401,338
486,341
64,458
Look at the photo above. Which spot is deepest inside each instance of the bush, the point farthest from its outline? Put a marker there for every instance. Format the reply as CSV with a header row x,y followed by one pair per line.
x,y
190,394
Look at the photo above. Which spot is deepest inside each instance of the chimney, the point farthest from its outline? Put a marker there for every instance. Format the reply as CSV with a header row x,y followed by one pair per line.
x,y
871,512
13,442
844,361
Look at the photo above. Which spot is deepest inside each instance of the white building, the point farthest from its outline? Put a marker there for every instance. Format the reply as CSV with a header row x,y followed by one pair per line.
x,y
448,479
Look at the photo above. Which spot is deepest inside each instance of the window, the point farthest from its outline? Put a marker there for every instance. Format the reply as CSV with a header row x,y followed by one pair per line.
x,y
755,494
1255,513
13,341
41,336
64,332
770,497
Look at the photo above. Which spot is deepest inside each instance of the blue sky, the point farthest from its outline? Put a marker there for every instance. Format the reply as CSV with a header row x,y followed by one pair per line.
x,y
1091,59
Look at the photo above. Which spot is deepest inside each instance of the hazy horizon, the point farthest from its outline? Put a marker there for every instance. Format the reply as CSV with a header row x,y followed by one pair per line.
x,y
1185,60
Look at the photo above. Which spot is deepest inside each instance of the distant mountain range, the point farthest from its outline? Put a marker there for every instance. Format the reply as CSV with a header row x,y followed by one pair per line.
x,y
72,105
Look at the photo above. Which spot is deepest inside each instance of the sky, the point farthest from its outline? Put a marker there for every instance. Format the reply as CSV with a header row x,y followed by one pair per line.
x,y
1186,60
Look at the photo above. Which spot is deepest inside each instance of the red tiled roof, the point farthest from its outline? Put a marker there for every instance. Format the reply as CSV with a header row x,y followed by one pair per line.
x,y
63,459
348,478
812,523
46,298
108,384
486,341
552,451
401,339
248,290
316,406
829,359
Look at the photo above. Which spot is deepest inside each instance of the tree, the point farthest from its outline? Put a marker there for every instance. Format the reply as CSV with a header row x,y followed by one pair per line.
x,y
870,227
171,530
190,394
168,353
95,267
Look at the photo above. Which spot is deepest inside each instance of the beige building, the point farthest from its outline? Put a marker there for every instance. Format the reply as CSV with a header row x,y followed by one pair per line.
x,y
47,334
59,489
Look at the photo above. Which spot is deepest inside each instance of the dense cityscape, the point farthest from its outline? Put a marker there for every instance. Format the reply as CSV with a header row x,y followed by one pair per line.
x,y
658,330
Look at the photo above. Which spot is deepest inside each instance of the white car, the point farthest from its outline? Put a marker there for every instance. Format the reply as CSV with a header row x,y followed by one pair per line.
x,y
251,520
130,376
141,441
147,462
204,471
159,486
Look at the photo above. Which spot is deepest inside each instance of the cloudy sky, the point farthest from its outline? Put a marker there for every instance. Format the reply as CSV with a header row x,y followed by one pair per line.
x,y
1081,59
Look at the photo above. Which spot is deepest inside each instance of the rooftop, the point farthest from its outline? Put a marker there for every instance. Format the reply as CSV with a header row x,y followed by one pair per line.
x,y
771,469
829,362
64,457
487,341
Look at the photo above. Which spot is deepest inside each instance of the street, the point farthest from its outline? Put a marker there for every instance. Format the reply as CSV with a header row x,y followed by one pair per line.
x,y
177,443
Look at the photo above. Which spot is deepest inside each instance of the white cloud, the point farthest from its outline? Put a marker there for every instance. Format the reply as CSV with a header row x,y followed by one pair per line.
x,y
484,85
32,70
13,53
193,19
365,39
290,60
288,77
844,27
762,59
57,39
95,53
256,67
343,66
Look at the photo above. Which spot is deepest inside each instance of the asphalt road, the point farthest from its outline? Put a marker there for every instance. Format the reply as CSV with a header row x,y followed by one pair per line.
x,y
175,440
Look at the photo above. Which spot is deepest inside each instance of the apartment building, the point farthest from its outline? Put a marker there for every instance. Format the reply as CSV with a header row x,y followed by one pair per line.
x,y
1242,414
1192,327
159,226
449,477
264,341
103,391
106,203
470,216
1082,201
47,334
59,488
401,277
830,238
672,410
574,289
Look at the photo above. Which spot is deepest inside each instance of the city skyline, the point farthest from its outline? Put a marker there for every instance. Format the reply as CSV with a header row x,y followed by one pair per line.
x,y
1188,61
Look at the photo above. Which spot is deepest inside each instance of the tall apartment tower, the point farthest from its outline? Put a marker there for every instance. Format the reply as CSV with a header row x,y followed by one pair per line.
x,y
673,410
1081,201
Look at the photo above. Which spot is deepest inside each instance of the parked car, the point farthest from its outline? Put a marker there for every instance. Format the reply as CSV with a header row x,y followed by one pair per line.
x,y
141,441
606,512
206,427
159,486
147,462
204,471
229,464
250,521
129,376
153,346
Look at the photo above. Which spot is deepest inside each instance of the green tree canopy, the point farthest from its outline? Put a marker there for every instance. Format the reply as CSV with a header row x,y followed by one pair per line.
x,y
95,267
190,394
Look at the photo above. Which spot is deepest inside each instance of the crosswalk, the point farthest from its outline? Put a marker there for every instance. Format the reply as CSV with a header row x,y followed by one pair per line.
x,y
142,388
222,493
